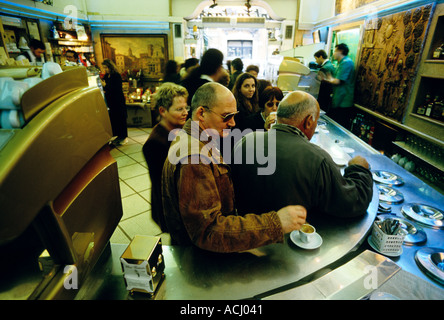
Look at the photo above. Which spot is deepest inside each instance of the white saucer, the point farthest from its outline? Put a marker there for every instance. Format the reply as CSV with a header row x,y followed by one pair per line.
x,y
348,150
395,254
340,161
313,244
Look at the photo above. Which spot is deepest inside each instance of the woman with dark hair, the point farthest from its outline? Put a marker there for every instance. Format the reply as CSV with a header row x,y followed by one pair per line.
x,y
268,102
245,92
171,73
115,101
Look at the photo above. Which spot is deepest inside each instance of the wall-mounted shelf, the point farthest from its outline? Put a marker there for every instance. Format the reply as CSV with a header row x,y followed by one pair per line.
x,y
431,160
437,37
430,81
409,129
439,61
72,42
440,123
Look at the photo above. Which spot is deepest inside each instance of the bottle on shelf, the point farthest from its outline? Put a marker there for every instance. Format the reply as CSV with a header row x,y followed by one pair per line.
x,y
421,109
356,124
438,109
370,134
429,107
439,52
442,113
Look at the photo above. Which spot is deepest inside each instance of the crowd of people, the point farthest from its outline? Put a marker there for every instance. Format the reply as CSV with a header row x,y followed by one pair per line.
x,y
214,203
202,199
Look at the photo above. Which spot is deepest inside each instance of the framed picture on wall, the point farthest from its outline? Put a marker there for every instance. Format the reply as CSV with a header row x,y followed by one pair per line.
x,y
144,55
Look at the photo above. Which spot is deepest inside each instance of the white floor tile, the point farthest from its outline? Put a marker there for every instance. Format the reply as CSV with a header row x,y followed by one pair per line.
x,y
131,171
133,205
139,183
141,224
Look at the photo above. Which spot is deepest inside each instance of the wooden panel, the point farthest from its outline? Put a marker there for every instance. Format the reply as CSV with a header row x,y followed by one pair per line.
x,y
392,49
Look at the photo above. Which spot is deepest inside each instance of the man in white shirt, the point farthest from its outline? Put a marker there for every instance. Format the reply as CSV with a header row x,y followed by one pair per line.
x,y
325,88
36,53
72,58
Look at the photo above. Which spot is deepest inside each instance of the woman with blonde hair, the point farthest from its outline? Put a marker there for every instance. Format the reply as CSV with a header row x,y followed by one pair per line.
x,y
170,102
115,100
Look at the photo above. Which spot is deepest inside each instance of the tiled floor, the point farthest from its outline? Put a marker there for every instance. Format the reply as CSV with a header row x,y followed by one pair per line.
x,y
135,188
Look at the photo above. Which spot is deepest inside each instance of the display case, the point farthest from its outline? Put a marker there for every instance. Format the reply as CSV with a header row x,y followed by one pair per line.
x,y
78,40
15,30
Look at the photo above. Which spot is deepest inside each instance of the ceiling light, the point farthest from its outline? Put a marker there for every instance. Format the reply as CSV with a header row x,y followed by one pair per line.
x,y
214,4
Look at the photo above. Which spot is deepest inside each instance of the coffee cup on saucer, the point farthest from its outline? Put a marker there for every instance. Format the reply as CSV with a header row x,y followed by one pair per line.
x,y
306,237
306,233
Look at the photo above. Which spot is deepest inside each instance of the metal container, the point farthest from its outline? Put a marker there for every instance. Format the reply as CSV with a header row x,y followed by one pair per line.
x,y
143,264
424,214
431,261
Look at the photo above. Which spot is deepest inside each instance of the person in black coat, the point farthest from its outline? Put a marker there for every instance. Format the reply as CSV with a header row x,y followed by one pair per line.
x,y
170,101
115,101
301,173
236,70
171,73
209,70
325,88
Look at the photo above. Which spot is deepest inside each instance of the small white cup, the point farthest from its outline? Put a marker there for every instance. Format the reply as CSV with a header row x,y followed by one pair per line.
x,y
275,119
306,232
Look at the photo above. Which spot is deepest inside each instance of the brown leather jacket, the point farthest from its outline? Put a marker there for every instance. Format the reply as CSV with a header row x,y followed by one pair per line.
x,y
198,200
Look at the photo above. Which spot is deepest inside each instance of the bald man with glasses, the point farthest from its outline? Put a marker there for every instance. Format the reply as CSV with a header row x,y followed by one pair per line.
x,y
197,189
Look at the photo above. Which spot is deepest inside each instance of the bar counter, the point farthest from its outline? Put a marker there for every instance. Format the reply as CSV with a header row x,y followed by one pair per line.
x,y
191,273
194,274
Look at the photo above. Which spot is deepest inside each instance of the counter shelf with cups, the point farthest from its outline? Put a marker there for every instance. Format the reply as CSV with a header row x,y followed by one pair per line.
x,y
408,202
410,222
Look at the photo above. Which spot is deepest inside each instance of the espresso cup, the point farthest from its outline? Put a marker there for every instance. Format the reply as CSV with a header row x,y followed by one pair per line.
x,y
306,232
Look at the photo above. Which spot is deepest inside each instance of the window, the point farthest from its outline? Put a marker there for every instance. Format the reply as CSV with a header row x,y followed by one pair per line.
x,y
240,49
288,32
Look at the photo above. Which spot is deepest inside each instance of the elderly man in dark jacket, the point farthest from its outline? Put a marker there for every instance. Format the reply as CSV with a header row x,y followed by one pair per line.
x,y
304,173
197,189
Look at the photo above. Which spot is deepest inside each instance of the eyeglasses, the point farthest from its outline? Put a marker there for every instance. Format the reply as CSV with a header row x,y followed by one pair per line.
x,y
271,104
225,118
182,109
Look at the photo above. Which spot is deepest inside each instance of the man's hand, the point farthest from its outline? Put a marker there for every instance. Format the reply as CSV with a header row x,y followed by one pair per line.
x,y
292,218
360,161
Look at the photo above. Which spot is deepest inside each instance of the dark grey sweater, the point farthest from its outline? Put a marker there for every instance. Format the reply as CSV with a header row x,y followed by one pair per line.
x,y
305,175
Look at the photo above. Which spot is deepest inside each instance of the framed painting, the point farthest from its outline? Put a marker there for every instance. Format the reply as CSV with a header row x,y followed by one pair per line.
x,y
137,55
